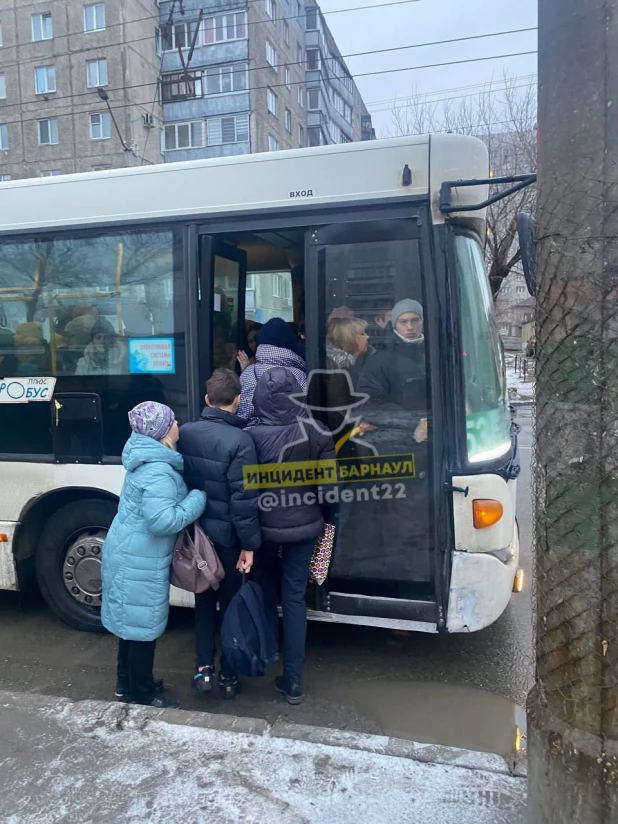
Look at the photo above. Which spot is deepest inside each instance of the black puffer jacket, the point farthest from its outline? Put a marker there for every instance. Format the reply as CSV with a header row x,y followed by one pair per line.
x,y
280,437
215,449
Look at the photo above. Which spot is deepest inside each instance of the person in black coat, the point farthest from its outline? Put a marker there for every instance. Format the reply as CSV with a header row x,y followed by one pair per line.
x,y
395,378
215,449
292,521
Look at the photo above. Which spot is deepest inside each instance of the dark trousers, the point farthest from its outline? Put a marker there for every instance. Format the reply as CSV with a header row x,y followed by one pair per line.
x,y
134,674
288,575
206,612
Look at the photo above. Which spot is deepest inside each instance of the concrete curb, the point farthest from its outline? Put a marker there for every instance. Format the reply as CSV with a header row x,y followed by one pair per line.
x,y
116,717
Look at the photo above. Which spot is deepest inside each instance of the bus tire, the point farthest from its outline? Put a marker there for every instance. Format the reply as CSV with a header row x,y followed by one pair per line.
x,y
68,559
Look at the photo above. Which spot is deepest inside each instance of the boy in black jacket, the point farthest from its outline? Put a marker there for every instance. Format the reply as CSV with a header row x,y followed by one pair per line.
x,y
215,449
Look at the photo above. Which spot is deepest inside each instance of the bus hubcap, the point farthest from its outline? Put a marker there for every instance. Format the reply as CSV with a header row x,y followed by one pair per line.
x,y
82,567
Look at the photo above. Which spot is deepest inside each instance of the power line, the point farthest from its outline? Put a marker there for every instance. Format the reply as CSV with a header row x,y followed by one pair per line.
x,y
445,91
157,23
447,99
299,83
449,41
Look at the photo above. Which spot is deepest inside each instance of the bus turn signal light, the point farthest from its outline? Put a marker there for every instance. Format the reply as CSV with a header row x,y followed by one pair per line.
x,y
4,538
487,512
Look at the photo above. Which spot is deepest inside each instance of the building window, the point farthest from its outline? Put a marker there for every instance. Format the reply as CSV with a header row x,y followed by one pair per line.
x,y
520,290
48,131
184,135
312,18
271,8
96,72
224,27
286,32
94,17
301,97
232,129
288,121
299,53
104,168
271,99
313,99
226,79
288,78
343,138
301,137
51,173
44,80
273,146
313,60
342,107
2,87
181,86
5,178
42,26
1,40
100,126
271,55
4,137
179,36
314,135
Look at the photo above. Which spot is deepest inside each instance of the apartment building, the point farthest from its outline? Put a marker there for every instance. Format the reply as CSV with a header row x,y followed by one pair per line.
x,y
90,86
263,76
54,56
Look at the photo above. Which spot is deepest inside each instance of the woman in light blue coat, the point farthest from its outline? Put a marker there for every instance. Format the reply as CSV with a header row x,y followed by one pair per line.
x,y
155,506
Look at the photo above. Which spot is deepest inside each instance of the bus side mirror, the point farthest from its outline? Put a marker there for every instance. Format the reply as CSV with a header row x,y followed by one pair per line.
x,y
527,246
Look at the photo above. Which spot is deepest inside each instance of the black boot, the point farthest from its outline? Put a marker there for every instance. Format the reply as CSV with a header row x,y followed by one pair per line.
x,y
123,695
291,690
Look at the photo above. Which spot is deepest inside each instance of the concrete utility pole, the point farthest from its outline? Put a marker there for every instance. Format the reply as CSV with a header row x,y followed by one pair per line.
x,y
573,709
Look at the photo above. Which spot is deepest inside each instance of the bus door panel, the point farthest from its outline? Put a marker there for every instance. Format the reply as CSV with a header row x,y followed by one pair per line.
x,y
223,275
368,384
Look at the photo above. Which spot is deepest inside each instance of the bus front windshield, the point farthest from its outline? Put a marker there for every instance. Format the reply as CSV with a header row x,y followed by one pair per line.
x,y
488,422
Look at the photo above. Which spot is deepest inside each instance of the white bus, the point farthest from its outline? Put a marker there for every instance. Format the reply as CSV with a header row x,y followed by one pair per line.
x,y
127,285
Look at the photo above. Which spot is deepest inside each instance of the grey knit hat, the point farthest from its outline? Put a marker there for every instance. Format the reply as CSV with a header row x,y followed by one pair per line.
x,y
406,305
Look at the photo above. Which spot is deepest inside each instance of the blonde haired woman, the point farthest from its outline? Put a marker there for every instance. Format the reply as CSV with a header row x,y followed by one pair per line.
x,y
346,342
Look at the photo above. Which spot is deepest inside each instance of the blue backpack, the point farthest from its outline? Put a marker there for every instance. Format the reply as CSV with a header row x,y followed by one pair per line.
x,y
247,640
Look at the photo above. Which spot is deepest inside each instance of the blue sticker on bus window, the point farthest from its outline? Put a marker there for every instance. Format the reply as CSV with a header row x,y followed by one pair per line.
x,y
151,356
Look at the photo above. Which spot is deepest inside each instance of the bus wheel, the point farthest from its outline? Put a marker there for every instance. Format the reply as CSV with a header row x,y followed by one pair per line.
x,y
68,562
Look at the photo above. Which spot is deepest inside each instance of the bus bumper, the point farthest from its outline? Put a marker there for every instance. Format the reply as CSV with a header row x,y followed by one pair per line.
x,y
481,587
8,571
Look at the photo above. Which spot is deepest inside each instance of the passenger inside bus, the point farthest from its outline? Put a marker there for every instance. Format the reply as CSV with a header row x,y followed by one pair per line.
x,y
347,345
380,326
395,378
106,354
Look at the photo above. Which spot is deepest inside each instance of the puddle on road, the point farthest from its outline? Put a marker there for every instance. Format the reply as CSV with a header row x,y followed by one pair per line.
x,y
435,713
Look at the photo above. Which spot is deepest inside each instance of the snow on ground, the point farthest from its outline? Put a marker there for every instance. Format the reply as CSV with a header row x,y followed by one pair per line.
x,y
518,388
83,764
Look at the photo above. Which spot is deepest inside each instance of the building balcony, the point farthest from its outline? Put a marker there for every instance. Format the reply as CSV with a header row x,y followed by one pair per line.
x,y
214,55
210,106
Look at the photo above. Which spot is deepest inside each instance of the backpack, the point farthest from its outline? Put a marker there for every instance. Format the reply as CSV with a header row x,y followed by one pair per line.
x,y
248,642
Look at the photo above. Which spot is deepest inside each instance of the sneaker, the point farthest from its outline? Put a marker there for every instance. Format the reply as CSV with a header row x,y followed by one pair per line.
x,y
124,697
291,690
204,679
229,687
162,702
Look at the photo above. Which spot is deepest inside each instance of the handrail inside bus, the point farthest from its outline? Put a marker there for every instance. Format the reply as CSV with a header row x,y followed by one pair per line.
x,y
446,191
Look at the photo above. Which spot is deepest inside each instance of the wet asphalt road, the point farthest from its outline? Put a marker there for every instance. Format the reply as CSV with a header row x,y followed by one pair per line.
x,y
458,689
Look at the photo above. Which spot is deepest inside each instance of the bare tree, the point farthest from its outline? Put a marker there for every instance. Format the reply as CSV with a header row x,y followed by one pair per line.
x,y
506,122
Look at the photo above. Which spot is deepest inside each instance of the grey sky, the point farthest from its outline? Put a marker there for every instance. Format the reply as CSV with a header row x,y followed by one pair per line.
x,y
423,21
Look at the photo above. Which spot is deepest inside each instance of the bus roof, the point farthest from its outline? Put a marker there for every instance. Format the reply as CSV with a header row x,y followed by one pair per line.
x,y
349,173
